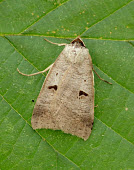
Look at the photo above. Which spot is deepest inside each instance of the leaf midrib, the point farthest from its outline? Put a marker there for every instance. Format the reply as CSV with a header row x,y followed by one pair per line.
x,y
20,33
44,75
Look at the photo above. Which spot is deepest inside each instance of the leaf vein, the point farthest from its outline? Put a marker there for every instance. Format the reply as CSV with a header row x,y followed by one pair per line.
x,y
106,16
39,133
42,17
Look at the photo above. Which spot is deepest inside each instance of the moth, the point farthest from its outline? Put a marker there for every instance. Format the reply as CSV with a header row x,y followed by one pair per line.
x,y
66,100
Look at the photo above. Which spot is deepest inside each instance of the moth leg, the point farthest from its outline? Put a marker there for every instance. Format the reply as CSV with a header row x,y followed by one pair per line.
x,y
48,68
100,77
55,43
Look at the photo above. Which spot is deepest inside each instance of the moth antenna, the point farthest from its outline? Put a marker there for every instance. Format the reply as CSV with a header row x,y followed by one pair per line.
x,y
63,44
100,77
37,72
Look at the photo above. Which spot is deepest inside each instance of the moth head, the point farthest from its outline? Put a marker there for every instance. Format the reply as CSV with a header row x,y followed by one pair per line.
x,y
78,42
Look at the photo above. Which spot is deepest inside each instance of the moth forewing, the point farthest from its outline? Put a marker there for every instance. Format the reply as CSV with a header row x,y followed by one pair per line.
x,y
66,100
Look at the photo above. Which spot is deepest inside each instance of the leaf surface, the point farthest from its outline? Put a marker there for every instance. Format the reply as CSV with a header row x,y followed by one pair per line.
x,y
106,28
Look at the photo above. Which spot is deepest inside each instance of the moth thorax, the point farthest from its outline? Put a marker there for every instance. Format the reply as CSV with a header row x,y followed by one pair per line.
x,y
75,54
77,44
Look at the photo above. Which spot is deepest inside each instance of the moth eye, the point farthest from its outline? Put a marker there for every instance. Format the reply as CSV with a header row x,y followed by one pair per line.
x,y
82,93
56,74
84,80
53,87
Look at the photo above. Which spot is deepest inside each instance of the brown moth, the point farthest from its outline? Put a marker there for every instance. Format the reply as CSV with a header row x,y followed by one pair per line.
x,y
66,100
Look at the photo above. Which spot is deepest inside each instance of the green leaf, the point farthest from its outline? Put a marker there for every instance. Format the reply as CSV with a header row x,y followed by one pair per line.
x,y
106,28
